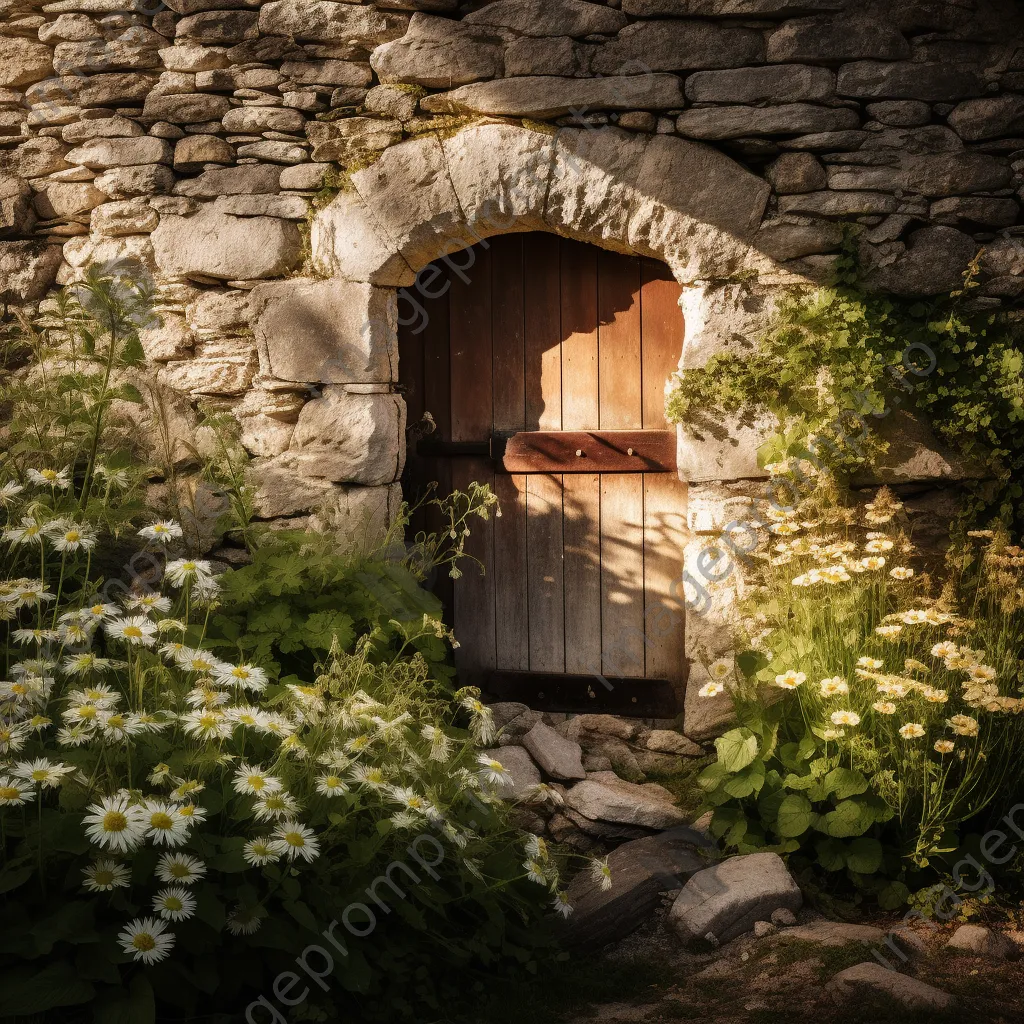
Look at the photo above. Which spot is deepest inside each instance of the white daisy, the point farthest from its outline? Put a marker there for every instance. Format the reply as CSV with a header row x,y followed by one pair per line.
x,y
29,532
331,785
174,903
561,903
148,602
180,868
105,876
493,771
275,805
255,781
8,492
207,725
184,570
43,772
163,531
294,841
136,630
247,677
243,921
116,824
258,852
164,825
147,939
72,537
59,479
28,594
15,792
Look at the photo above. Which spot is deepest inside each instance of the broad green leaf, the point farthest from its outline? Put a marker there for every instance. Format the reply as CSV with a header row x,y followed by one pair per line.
x,y
799,782
845,782
893,896
850,818
795,816
736,749
712,776
831,854
864,856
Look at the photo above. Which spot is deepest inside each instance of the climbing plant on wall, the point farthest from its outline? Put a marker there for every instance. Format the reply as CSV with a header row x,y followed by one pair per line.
x,y
837,360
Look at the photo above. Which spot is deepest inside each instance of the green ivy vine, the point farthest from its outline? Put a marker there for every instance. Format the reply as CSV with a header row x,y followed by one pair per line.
x,y
836,360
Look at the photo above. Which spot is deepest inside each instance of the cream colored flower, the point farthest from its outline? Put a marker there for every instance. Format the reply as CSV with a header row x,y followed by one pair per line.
x,y
963,725
833,734
889,631
983,673
711,689
878,545
944,746
790,680
870,663
873,563
912,731
720,669
833,686
901,572
845,718
884,707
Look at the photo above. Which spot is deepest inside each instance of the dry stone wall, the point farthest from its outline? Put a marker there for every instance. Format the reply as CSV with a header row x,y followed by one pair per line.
x,y
730,138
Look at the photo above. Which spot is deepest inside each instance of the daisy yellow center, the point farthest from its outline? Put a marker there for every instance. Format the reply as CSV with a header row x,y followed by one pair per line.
x,y
104,877
180,871
189,567
19,689
294,839
31,531
96,609
172,903
115,721
332,781
256,781
132,631
114,821
274,803
240,673
144,942
187,811
40,775
208,721
27,595
261,848
160,528
9,793
72,536
49,474
162,821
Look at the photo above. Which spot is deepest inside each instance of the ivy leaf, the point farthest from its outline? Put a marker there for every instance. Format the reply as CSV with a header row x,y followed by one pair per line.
x,y
850,818
736,749
795,816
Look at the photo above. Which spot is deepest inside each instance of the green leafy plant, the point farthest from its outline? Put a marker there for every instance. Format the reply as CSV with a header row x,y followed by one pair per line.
x,y
177,825
876,713
837,360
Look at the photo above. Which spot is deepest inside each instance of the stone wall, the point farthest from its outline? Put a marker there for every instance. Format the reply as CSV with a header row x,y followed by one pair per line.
x,y
729,138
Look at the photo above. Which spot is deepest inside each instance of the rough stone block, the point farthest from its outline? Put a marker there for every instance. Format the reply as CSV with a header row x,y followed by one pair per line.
x,y
871,980
641,871
440,53
102,154
784,83
351,438
333,332
218,27
678,46
186,108
27,270
610,799
988,118
726,900
232,248
729,8
249,179
832,38
705,718
546,96
549,17
908,80
132,182
352,139
559,757
723,318
322,21
786,119
23,62
263,119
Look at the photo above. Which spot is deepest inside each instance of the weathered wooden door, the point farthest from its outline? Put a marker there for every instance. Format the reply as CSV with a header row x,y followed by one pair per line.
x,y
537,333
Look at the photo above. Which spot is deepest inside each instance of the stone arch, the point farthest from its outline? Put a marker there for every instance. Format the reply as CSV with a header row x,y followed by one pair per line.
x,y
680,202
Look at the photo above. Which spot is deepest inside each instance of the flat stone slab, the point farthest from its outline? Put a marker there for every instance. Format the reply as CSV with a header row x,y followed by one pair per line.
x,y
519,765
834,933
559,757
871,979
726,900
641,871
613,799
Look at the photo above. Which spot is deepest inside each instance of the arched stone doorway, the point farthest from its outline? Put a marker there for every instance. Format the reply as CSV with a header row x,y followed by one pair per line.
x,y
537,365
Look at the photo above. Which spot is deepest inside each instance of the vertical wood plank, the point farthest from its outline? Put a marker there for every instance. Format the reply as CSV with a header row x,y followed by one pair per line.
x,y
664,537
508,323
622,588
434,344
662,339
472,420
541,296
582,572
544,573
508,333
474,590
580,390
618,291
